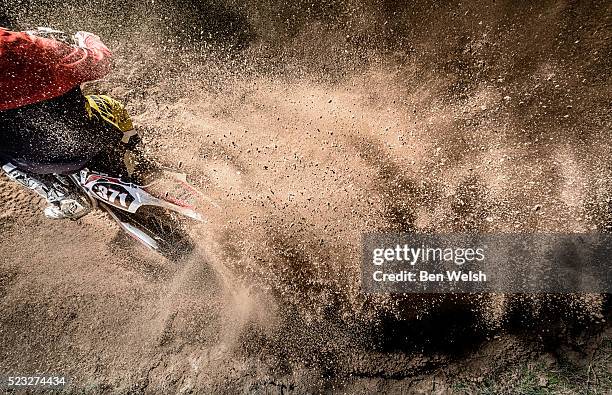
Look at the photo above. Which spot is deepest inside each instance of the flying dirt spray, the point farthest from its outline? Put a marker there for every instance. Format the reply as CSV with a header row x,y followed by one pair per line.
x,y
311,124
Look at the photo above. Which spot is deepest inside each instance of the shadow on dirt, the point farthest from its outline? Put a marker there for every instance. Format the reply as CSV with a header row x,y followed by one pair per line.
x,y
400,193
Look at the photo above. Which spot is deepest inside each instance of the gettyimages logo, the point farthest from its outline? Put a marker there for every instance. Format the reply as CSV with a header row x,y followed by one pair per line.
x,y
412,255
511,263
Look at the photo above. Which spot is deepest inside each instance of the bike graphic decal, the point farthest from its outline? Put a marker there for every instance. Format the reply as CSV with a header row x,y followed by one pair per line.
x,y
129,197
112,192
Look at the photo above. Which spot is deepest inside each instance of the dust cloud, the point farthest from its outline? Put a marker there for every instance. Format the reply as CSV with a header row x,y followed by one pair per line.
x,y
310,123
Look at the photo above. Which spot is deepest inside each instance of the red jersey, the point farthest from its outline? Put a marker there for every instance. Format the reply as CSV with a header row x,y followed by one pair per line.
x,y
33,69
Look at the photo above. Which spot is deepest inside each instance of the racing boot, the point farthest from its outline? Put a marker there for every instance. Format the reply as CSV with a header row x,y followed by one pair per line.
x,y
66,208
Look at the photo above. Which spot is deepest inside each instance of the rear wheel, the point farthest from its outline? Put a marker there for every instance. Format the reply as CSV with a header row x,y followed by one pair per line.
x,y
164,227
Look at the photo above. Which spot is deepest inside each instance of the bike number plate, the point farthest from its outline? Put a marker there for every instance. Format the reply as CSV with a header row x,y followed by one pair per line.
x,y
111,192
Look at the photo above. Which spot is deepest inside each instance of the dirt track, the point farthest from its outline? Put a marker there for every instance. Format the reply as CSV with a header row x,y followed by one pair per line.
x,y
456,118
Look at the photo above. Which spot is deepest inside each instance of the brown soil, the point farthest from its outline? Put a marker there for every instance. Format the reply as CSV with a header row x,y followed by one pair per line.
x,y
350,117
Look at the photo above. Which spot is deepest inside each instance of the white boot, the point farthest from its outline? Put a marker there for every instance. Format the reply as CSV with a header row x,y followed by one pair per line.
x,y
66,208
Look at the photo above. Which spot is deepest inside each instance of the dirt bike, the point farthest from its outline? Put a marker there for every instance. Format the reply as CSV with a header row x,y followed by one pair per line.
x,y
149,213
151,210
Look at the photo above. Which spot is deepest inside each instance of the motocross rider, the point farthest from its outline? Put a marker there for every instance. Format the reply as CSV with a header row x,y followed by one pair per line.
x,y
45,127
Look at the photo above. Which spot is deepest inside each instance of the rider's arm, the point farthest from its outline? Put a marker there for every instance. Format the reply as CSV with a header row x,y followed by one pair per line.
x,y
88,61
36,68
91,60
